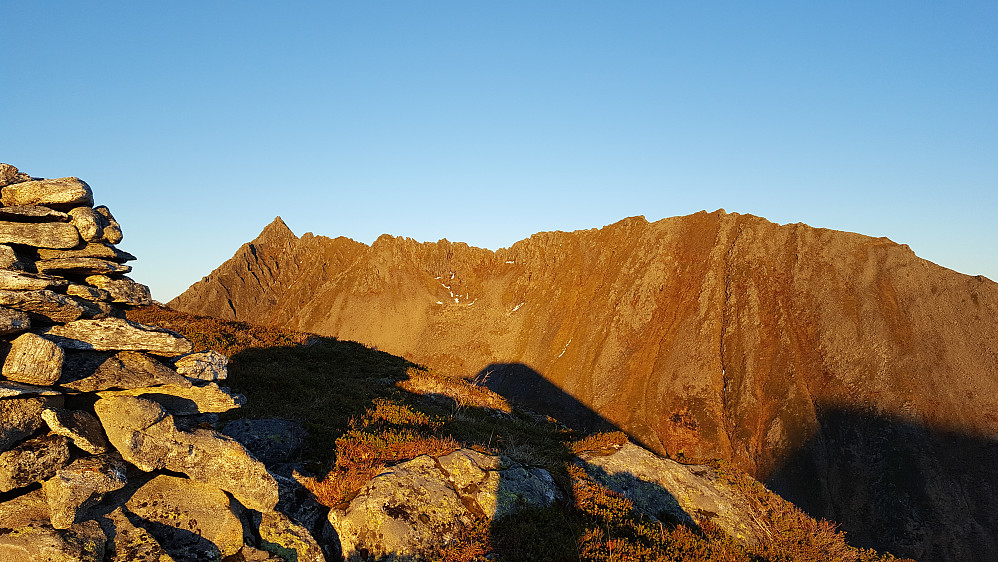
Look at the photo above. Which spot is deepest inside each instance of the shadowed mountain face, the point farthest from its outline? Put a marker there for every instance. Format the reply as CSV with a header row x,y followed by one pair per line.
x,y
711,335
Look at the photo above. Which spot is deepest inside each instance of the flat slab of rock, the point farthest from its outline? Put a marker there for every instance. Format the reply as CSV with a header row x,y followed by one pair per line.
x,y
88,292
33,461
61,194
48,305
122,289
147,436
83,428
81,484
13,321
118,334
101,250
23,281
20,417
96,371
208,365
39,235
188,517
83,542
81,266
33,359
186,399
12,389
32,213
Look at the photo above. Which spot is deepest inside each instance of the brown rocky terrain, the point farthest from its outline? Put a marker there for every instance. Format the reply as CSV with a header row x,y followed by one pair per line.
x,y
854,377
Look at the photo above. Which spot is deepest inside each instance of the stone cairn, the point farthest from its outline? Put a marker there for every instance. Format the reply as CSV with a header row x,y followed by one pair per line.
x,y
107,450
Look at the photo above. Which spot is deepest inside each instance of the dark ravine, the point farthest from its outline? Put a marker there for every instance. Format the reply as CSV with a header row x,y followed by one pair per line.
x,y
855,377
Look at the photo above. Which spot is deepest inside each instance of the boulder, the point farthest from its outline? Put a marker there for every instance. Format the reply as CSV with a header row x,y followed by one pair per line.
x,y
60,194
23,281
83,428
9,175
208,365
90,224
112,230
147,436
81,266
270,440
48,306
13,321
33,359
83,542
33,461
122,289
32,213
96,371
133,544
188,517
81,484
21,416
185,399
101,250
118,334
41,235
287,539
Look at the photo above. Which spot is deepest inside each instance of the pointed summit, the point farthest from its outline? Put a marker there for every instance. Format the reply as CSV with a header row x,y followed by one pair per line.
x,y
275,233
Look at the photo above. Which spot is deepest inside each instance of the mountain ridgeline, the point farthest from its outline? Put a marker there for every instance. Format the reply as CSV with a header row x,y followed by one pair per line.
x,y
851,376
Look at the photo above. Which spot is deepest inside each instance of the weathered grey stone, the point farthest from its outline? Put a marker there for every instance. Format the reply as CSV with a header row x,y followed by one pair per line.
x,y
87,292
287,539
41,235
101,250
9,175
133,544
26,509
84,429
12,389
122,289
185,400
33,359
90,224
33,461
24,281
20,417
415,506
81,266
83,542
112,231
81,484
270,440
61,194
94,371
47,305
188,516
32,213
208,365
147,437
13,321
118,334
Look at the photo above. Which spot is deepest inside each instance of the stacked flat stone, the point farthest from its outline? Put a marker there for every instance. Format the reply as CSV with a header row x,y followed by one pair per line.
x,y
105,424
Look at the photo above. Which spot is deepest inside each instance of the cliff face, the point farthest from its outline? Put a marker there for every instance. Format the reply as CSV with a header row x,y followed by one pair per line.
x,y
710,335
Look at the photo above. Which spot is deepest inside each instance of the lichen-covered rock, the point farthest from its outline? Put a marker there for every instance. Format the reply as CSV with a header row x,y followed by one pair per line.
x,y
83,542
122,289
9,259
26,509
9,174
33,461
117,334
13,321
287,539
81,484
207,365
185,399
133,544
11,389
90,224
24,281
81,266
32,213
60,194
33,359
40,235
98,250
270,440
95,371
82,427
87,292
188,516
112,230
146,436
48,306
21,414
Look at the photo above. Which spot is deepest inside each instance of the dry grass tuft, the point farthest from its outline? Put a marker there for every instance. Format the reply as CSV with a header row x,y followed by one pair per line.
x,y
466,394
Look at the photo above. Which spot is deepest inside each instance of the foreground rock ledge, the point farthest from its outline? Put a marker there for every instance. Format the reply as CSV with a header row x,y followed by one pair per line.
x,y
117,334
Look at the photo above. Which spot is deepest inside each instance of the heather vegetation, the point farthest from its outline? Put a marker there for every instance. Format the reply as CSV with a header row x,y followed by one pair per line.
x,y
365,410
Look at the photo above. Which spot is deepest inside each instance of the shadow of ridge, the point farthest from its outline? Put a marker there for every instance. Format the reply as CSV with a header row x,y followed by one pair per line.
x,y
897,486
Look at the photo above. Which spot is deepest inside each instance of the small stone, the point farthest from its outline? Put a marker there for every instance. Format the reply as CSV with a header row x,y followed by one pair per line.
x,y
42,235
134,544
22,416
101,250
208,365
33,461
88,292
60,194
13,321
33,360
83,428
117,334
81,484
32,213
122,289
90,224
81,266
83,542
23,281
9,175
112,232
47,305
92,372
178,508
9,258
185,400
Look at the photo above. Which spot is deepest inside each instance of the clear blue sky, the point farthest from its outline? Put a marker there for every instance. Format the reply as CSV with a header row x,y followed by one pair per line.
x,y
483,122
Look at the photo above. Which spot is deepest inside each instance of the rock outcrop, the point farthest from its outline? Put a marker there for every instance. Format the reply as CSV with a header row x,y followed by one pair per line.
x,y
88,401
813,359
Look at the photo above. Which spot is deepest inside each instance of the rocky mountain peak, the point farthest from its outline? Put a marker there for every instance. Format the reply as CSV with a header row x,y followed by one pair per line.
x,y
277,232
